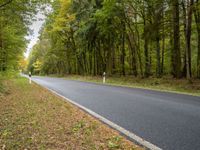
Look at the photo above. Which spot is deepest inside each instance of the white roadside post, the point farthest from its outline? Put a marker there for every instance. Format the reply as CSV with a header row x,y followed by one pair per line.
x,y
104,78
30,81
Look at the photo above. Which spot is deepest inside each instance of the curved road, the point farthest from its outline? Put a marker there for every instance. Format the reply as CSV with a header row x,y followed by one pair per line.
x,y
170,121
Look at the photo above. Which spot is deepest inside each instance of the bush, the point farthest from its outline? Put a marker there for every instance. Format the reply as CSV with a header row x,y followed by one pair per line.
x,y
7,75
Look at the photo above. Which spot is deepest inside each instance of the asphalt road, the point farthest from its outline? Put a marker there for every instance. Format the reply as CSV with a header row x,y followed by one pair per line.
x,y
170,121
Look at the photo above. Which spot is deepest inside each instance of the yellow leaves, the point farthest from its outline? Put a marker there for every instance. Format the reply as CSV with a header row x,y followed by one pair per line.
x,y
71,17
64,17
37,65
22,64
64,13
65,5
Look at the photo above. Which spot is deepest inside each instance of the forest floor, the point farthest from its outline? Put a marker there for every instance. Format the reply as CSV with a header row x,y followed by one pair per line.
x,y
167,84
33,118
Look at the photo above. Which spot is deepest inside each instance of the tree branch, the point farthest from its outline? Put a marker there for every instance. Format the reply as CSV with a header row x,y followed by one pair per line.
x,y
6,3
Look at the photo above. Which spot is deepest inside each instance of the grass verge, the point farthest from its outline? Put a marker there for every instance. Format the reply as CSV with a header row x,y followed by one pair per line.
x,y
166,84
33,118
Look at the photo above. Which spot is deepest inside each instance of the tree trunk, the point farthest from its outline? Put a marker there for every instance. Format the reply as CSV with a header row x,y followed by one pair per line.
x,y
197,20
158,70
184,72
109,56
188,37
176,54
133,54
146,51
133,45
123,49
163,43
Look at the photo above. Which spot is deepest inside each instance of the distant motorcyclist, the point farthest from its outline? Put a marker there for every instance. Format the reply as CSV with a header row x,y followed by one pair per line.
x,y
29,74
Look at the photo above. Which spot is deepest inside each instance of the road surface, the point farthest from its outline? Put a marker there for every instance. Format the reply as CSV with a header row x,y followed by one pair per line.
x,y
170,121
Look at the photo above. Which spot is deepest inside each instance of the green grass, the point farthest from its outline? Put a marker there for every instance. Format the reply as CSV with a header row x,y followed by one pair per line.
x,y
5,76
166,84
33,118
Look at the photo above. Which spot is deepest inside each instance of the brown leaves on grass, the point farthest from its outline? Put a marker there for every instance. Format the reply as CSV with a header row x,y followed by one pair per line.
x,y
33,118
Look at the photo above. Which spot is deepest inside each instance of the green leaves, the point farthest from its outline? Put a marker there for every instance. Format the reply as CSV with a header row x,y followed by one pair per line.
x,y
131,37
15,17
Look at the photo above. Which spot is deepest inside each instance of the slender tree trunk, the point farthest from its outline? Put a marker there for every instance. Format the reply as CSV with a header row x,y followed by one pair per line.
x,y
78,62
133,54
184,72
95,61
138,50
113,58
133,45
197,20
85,61
198,56
163,43
158,70
123,49
90,63
109,56
139,57
163,54
146,50
188,37
176,53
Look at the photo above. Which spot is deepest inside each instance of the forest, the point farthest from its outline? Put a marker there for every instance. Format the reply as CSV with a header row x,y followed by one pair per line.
x,y
140,38
15,18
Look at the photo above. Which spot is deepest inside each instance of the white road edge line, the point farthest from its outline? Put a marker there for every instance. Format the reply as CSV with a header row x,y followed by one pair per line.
x,y
127,133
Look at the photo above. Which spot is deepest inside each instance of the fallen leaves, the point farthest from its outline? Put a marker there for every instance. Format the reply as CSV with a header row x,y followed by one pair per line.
x,y
33,118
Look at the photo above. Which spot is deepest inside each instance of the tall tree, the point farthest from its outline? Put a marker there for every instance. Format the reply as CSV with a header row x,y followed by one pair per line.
x,y
176,53
12,35
89,37
188,12
197,20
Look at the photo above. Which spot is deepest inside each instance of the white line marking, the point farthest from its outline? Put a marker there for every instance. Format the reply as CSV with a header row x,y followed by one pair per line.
x,y
108,122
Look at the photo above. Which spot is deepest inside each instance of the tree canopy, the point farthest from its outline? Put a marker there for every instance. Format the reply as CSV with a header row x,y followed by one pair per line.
x,y
130,37
15,18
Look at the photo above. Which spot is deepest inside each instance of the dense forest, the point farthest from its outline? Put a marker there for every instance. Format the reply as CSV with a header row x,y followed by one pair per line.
x,y
15,18
120,37
130,37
